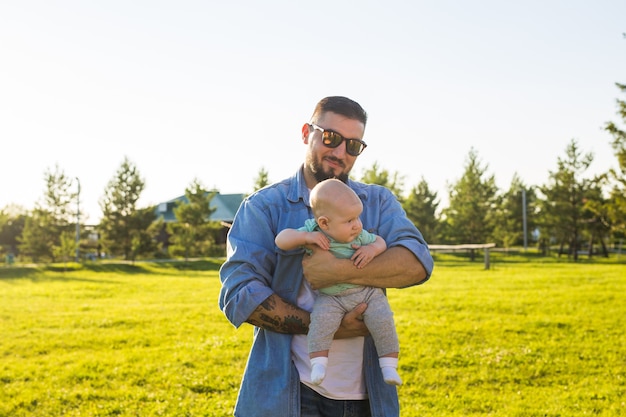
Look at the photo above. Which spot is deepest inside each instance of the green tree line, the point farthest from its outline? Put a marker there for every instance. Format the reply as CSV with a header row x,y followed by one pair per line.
x,y
571,211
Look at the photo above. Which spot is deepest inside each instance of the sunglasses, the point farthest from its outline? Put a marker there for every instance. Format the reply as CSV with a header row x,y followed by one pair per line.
x,y
332,139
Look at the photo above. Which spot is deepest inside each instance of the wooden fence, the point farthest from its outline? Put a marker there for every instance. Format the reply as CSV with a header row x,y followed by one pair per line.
x,y
465,247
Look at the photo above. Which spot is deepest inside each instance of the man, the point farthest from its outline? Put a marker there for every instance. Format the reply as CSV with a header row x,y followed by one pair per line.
x,y
264,285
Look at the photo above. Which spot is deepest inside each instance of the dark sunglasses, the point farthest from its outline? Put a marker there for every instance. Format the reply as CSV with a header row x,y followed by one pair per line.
x,y
332,139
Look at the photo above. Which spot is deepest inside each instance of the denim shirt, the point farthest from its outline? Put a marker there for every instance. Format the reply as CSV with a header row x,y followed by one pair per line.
x,y
256,268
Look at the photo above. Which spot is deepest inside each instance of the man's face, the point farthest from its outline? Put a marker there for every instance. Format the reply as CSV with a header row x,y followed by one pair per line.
x,y
323,162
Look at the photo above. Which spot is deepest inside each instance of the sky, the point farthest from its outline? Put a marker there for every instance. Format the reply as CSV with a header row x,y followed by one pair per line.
x,y
217,90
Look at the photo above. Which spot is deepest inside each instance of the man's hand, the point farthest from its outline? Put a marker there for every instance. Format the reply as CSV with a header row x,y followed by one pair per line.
x,y
318,269
352,324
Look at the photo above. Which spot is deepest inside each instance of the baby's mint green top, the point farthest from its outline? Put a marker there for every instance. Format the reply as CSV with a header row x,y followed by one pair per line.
x,y
340,250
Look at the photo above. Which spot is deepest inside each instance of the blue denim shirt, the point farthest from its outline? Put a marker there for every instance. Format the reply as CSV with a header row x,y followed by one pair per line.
x,y
255,269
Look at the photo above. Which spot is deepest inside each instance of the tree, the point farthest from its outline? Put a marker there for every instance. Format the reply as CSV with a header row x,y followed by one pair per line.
x,y
191,235
380,176
119,210
66,248
12,219
421,208
59,196
38,238
595,216
51,218
616,206
511,213
565,194
143,236
473,200
262,179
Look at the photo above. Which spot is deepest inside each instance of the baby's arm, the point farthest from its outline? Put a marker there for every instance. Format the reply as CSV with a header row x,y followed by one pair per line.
x,y
364,254
289,239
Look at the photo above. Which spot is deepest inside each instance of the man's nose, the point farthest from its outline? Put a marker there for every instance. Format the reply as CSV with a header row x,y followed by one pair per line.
x,y
340,151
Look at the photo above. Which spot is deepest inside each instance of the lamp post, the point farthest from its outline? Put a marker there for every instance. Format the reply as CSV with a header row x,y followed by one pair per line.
x,y
78,221
524,219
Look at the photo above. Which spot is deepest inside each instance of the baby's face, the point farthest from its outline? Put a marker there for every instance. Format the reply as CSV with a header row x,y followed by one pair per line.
x,y
345,224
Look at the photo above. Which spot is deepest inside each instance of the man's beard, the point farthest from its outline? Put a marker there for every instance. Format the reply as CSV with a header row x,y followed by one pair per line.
x,y
316,168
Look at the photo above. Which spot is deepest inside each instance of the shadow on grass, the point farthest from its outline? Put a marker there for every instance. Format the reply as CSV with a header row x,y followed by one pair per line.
x,y
38,274
213,264
16,272
504,257
156,267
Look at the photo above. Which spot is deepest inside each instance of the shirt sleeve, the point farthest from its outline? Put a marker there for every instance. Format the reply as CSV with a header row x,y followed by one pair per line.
x,y
247,273
397,230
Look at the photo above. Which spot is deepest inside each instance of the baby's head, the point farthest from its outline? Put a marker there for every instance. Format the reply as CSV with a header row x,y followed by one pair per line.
x,y
337,209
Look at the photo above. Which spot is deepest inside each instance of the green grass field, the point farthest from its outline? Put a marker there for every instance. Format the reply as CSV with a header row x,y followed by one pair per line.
x,y
540,338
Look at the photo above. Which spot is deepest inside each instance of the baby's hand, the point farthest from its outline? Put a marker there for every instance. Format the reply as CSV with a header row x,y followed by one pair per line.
x,y
319,239
362,256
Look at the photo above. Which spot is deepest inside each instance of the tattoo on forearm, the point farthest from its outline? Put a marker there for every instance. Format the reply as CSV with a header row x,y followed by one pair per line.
x,y
294,324
266,318
270,321
269,304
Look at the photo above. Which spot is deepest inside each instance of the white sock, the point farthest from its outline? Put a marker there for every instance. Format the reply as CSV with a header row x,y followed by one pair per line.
x,y
318,369
389,368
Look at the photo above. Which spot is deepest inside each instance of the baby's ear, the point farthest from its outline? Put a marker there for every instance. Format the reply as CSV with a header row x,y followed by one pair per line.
x,y
322,221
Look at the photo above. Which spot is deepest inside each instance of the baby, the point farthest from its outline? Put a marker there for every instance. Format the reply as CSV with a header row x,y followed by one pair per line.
x,y
336,226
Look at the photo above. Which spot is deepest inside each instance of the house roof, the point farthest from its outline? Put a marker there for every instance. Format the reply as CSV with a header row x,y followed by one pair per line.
x,y
225,205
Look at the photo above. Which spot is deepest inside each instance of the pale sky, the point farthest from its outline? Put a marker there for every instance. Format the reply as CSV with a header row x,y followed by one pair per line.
x,y
215,90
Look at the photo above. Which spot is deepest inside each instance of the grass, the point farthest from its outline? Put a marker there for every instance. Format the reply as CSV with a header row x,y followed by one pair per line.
x,y
540,338
118,340
523,339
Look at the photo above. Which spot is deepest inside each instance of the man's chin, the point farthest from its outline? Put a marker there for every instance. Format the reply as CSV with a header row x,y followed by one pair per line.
x,y
326,175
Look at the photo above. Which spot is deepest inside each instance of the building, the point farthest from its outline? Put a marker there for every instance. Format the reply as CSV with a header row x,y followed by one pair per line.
x,y
225,205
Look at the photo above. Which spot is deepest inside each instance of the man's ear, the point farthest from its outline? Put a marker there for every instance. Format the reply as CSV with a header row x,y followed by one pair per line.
x,y
306,131
322,222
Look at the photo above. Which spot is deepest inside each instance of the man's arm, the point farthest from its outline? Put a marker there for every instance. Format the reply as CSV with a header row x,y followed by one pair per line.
x,y
397,267
277,315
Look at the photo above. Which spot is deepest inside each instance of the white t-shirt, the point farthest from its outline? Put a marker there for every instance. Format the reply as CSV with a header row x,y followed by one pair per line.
x,y
344,374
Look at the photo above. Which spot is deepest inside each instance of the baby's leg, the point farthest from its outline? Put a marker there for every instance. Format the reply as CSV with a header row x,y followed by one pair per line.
x,y
379,320
325,320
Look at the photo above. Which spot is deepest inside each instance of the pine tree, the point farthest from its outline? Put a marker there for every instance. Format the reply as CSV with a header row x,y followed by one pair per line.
x,y
421,208
51,218
12,219
617,201
376,175
469,218
39,238
511,214
191,234
119,208
262,179
565,194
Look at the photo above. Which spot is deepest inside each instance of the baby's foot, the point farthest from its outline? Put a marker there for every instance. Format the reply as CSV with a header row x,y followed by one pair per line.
x,y
318,369
318,372
390,375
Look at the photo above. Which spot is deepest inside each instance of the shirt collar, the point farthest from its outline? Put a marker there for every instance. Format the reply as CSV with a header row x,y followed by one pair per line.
x,y
299,190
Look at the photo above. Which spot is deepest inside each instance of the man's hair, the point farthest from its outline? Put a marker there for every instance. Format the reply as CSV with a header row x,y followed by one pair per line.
x,y
342,106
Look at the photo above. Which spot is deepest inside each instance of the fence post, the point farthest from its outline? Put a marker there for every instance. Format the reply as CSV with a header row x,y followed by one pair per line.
x,y
486,258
